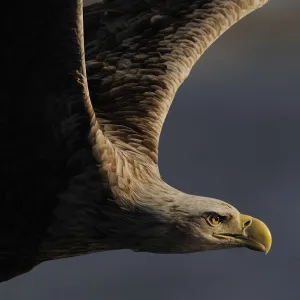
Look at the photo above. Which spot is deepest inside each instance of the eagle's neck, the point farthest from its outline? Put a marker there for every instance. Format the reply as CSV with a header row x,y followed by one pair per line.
x,y
90,219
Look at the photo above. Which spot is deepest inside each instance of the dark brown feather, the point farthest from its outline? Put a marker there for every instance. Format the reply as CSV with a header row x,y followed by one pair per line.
x,y
138,53
44,124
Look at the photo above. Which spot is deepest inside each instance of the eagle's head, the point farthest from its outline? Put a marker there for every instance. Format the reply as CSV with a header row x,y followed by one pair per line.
x,y
210,224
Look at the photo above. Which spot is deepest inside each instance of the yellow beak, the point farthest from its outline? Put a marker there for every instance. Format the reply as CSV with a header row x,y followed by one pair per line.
x,y
251,233
256,235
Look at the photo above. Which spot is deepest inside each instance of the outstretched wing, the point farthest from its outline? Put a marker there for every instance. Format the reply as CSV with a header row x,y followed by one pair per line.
x,y
138,52
43,121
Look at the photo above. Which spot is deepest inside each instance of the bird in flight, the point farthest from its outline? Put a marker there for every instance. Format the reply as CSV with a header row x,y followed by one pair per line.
x,y
86,93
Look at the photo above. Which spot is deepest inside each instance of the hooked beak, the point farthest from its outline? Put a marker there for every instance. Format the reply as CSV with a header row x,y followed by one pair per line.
x,y
255,234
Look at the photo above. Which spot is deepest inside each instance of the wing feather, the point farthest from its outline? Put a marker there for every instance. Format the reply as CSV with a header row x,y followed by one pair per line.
x,y
44,124
139,52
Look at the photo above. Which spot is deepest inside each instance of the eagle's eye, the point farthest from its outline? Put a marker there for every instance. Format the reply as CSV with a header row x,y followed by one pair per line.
x,y
215,220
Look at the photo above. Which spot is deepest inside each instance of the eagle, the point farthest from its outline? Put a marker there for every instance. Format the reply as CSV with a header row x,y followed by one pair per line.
x,y
84,98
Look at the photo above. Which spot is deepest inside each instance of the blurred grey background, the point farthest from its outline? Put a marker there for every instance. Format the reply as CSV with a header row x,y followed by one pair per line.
x,y
232,133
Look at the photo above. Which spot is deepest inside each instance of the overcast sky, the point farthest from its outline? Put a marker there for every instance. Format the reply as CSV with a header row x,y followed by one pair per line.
x,y
232,133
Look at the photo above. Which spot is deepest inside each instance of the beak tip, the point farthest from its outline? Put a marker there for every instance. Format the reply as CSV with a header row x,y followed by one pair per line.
x,y
268,248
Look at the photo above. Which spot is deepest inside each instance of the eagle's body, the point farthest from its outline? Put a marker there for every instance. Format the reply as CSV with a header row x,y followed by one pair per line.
x,y
80,157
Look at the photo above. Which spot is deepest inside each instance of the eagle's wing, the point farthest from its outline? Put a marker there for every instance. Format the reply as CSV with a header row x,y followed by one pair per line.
x,y
44,124
138,52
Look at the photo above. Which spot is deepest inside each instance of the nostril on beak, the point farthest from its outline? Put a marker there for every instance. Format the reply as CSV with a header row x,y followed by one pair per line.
x,y
247,223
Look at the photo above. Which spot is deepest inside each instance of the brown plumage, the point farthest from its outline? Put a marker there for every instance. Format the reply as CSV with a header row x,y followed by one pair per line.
x,y
80,157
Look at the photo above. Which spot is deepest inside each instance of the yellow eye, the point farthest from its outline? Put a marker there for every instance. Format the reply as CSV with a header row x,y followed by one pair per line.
x,y
214,220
